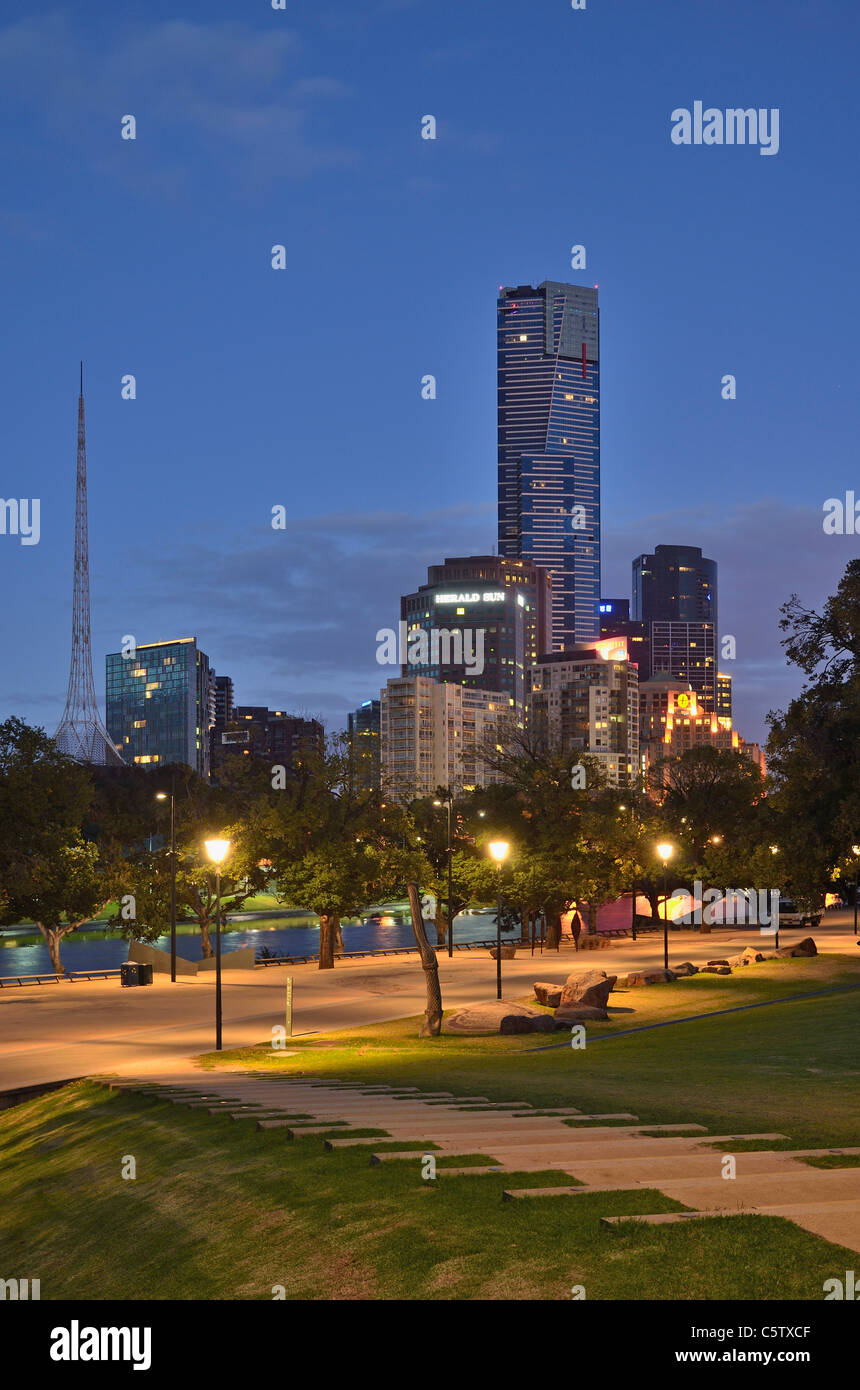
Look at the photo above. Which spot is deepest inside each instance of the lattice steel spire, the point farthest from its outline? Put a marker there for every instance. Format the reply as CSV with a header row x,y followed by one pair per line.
x,y
81,733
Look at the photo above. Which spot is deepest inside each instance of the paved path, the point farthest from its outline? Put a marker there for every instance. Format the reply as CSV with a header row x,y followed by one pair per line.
x,y
56,1031
603,1153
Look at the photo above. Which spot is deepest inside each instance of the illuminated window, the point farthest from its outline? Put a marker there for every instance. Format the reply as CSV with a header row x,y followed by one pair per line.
x,y
524,338
140,671
152,685
139,724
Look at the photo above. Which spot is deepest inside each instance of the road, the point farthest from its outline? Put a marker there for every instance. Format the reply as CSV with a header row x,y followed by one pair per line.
x,y
57,1031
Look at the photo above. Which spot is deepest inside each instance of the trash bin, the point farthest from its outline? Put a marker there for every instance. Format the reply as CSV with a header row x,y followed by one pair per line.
x,y
144,973
129,974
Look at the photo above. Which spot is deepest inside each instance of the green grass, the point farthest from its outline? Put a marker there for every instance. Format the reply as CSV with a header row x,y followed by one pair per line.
x,y
833,1161
791,1068
220,1211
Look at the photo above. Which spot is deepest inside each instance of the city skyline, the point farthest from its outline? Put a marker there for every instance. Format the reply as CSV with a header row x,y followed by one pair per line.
x,y
245,401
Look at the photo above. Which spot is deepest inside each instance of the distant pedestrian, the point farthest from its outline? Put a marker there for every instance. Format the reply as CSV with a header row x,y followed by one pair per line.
x,y
576,927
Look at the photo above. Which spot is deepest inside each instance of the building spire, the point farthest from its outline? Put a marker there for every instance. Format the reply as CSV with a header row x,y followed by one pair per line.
x,y
81,733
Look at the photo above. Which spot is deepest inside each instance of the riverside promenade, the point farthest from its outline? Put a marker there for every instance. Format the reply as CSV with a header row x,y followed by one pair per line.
x,y
57,1031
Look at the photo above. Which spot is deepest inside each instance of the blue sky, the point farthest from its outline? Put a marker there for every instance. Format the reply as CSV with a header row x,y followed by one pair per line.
x,y
301,388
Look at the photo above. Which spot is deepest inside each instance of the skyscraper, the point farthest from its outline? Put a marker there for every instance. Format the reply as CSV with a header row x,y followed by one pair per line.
x,y
160,703
549,445
509,602
675,595
675,585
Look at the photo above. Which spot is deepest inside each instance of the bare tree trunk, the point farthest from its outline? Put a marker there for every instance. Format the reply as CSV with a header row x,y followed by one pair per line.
x,y
441,927
525,922
52,941
432,1025
553,930
338,936
327,920
591,929
208,950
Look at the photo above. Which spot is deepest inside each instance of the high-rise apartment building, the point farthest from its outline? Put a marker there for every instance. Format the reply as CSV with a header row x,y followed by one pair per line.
x,y
223,695
495,607
432,735
363,730
160,704
549,444
586,700
687,652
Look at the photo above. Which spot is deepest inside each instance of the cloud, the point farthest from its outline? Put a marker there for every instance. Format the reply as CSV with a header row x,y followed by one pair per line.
x,y
293,616
233,87
765,552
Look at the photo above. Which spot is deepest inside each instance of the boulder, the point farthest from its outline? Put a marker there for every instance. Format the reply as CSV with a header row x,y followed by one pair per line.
x,y
715,970
507,952
650,977
806,947
721,960
594,943
685,968
591,990
497,1016
548,994
544,1023
577,1014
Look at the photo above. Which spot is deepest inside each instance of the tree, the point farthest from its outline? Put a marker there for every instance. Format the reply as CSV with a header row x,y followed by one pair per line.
x,y
47,872
814,746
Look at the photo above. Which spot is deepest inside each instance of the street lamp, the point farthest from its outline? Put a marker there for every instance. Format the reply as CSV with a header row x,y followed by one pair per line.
x,y
217,851
499,849
171,797
855,850
450,854
665,851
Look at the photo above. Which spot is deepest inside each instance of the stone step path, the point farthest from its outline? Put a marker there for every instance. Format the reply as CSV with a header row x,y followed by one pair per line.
x,y
680,1160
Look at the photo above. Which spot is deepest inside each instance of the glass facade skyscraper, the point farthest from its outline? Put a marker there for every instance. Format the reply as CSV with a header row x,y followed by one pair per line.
x,y
549,445
675,595
160,704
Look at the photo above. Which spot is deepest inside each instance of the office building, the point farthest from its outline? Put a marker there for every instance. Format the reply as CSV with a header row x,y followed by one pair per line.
x,y
479,605
363,732
160,704
676,584
586,701
724,696
432,735
278,738
223,696
549,445
687,652
615,621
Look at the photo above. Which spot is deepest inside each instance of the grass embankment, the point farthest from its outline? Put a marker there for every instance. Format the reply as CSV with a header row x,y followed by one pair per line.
x,y
790,1067
221,1211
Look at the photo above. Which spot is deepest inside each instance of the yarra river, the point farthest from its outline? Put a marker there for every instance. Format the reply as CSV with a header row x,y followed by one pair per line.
x,y
23,952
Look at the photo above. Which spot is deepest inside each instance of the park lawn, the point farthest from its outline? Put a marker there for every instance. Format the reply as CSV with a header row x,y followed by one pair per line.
x,y
790,1067
219,1210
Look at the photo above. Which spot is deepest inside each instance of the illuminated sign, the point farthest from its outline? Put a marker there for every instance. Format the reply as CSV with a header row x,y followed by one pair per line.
x,y
612,649
491,596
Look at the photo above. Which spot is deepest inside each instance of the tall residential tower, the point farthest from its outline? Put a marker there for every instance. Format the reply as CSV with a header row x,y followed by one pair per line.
x,y
549,445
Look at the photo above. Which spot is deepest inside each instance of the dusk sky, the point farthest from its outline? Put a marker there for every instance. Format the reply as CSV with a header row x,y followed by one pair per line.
x,y
301,388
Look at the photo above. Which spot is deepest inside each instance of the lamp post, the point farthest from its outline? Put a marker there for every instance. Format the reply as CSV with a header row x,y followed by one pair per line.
x,y
450,855
665,851
171,796
499,850
217,851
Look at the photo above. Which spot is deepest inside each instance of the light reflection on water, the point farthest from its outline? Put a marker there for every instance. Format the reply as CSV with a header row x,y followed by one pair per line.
x,y
94,950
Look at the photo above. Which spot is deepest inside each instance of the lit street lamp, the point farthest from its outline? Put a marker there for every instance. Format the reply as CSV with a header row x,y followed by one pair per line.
x,y
855,850
217,851
499,849
171,797
665,852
